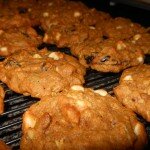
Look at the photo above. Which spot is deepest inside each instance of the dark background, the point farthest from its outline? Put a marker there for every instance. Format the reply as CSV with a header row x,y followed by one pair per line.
x,y
135,13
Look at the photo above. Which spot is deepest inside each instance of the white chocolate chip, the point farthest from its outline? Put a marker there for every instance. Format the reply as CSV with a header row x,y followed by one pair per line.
x,y
36,56
140,59
137,37
80,103
120,45
92,27
137,129
3,49
57,69
77,14
119,27
45,14
50,4
45,38
101,92
77,88
131,24
30,121
29,9
58,35
54,56
127,78
133,42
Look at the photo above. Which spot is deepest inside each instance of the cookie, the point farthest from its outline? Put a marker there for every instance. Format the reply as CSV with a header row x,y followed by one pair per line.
x,y
134,90
45,13
40,74
12,40
10,19
67,36
3,146
109,55
81,119
2,95
142,41
121,28
72,23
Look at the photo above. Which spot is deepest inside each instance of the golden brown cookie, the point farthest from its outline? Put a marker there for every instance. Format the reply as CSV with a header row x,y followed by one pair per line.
x,y
72,23
14,39
134,90
68,36
10,18
109,55
81,119
2,95
40,74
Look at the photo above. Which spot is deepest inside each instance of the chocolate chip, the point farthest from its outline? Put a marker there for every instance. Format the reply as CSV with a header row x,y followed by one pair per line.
x,y
105,37
89,59
22,10
106,58
39,30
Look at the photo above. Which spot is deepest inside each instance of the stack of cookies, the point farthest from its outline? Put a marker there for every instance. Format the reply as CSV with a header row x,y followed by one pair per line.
x,y
69,116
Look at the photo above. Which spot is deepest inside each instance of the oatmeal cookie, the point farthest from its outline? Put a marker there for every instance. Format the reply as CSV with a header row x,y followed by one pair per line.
x,y
2,95
81,119
109,55
40,74
10,19
134,90
14,39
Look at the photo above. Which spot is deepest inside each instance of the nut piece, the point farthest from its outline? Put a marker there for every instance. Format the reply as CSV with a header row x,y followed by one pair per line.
x,y
3,49
45,14
77,14
128,77
77,88
101,92
36,56
54,56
